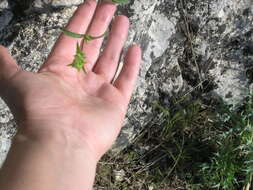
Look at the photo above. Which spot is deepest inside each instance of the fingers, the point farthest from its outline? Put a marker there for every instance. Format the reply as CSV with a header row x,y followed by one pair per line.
x,y
126,81
8,66
66,46
108,62
99,25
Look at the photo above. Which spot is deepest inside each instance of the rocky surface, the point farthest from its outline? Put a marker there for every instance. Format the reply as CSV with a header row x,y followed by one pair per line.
x,y
6,14
4,4
196,48
31,6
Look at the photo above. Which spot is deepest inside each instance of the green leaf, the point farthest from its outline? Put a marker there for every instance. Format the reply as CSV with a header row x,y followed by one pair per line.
x,y
87,38
72,34
79,60
120,1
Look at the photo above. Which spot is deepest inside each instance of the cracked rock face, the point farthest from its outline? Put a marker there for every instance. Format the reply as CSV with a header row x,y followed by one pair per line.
x,y
188,46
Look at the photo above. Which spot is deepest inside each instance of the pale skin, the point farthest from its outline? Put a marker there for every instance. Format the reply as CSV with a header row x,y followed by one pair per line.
x,y
68,119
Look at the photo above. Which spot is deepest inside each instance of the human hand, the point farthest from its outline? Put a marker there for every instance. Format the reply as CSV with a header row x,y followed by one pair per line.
x,y
68,106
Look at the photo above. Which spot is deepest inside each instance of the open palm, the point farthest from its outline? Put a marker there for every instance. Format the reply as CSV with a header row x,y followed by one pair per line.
x,y
61,102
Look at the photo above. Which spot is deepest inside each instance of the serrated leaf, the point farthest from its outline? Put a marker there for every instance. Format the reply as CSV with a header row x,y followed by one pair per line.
x,y
79,60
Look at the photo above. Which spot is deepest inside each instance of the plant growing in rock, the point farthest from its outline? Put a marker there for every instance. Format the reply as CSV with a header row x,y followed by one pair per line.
x,y
231,165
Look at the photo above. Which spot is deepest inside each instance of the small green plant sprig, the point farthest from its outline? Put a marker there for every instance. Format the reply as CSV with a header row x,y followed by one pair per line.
x,y
80,57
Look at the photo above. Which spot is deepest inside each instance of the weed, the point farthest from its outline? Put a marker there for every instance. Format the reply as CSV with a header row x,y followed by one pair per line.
x,y
162,152
80,57
187,146
231,165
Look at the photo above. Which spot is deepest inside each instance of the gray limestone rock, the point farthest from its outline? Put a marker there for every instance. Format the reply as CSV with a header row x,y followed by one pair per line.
x,y
54,3
58,3
41,6
189,47
4,4
5,14
228,45
5,18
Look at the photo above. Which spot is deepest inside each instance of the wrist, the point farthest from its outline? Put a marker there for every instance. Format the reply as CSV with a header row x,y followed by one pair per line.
x,y
59,137
49,163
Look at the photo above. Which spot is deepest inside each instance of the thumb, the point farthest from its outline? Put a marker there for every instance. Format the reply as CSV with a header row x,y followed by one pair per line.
x,y
8,66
